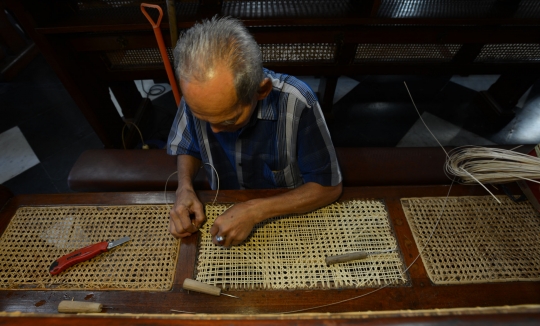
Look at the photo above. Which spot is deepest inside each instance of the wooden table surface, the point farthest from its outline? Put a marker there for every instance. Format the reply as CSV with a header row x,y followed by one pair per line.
x,y
420,294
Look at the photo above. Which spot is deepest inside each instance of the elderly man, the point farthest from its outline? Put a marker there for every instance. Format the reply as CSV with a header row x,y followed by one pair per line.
x,y
256,128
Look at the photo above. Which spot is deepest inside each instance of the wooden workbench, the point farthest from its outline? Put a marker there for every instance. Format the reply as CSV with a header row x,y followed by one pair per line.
x,y
421,294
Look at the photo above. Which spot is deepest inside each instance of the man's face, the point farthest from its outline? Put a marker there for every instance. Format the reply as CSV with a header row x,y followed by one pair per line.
x,y
215,101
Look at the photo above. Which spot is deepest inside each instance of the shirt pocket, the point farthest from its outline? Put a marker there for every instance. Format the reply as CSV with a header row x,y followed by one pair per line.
x,y
289,177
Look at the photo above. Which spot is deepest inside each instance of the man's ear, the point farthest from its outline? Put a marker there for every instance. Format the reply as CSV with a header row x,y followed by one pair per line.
x,y
264,89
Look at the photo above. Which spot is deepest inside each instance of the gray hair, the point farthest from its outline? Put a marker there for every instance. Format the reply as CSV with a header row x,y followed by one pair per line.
x,y
220,41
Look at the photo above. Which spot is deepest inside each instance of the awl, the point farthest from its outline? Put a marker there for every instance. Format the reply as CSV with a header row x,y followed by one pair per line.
x,y
83,254
197,286
330,260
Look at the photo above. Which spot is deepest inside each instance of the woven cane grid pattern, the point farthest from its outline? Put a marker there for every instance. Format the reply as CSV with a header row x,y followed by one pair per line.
x,y
105,10
509,53
458,9
321,52
528,9
289,252
286,8
114,9
477,240
37,236
138,57
405,52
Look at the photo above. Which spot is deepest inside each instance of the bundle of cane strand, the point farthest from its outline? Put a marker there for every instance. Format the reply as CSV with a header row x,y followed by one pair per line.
x,y
289,252
37,236
477,240
491,165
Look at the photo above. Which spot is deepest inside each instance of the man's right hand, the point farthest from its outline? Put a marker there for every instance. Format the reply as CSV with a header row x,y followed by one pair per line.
x,y
187,215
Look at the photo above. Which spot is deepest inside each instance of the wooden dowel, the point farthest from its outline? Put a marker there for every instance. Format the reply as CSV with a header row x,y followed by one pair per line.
x,y
79,306
197,286
330,260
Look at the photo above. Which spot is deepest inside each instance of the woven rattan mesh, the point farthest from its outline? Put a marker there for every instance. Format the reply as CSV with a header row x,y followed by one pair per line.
x,y
289,252
458,9
509,53
286,8
130,10
321,52
118,10
528,9
477,240
37,236
405,52
139,57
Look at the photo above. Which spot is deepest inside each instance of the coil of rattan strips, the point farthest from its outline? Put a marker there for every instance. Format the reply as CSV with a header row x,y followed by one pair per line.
x,y
477,239
37,236
289,252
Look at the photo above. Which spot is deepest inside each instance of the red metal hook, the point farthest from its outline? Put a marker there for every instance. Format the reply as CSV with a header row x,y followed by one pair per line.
x,y
162,49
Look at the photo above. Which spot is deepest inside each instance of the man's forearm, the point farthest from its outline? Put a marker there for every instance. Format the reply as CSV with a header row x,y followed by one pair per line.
x,y
303,199
187,166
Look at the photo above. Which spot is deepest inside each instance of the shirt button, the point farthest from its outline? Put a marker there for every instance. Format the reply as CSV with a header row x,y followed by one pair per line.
x,y
240,164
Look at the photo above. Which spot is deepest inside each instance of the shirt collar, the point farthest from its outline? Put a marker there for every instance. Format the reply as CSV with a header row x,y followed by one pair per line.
x,y
265,108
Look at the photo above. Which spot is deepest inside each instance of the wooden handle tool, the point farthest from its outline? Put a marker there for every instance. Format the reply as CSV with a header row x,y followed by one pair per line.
x,y
79,306
197,286
330,260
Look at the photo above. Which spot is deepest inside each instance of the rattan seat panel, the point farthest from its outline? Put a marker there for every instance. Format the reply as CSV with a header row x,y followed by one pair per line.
x,y
477,239
405,52
509,53
467,9
286,253
37,236
286,8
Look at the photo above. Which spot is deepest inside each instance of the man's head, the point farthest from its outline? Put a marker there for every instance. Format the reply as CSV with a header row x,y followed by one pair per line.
x,y
220,70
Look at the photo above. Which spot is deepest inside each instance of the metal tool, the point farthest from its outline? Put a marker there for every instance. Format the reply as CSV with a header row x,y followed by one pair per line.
x,y
330,260
197,286
83,254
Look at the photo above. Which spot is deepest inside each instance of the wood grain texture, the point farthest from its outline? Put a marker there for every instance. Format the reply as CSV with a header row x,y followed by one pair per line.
x,y
490,319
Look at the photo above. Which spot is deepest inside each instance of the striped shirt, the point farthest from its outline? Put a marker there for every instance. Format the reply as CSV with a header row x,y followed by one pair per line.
x,y
285,144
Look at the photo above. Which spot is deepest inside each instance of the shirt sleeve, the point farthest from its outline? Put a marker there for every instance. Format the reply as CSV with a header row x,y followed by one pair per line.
x,y
183,135
317,159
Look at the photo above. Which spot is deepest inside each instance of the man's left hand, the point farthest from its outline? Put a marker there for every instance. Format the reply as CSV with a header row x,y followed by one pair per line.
x,y
234,225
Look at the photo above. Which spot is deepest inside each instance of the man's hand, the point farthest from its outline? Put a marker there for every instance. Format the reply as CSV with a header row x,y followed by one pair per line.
x,y
234,225
187,205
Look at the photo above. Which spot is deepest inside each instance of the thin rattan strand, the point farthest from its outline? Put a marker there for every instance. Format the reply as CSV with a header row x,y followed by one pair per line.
x,y
37,236
289,252
477,240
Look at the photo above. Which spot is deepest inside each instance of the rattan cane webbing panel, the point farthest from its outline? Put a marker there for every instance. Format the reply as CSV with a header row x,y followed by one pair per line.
x,y
139,57
37,236
294,52
289,252
405,52
509,53
286,8
479,9
477,239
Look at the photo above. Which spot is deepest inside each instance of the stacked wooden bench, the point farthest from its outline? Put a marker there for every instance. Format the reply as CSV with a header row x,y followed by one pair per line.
x,y
95,46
